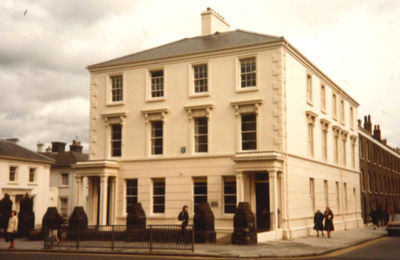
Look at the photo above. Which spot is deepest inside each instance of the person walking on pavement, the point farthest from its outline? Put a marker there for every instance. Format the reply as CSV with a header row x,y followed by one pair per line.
x,y
374,218
12,229
328,215
318,222
184,218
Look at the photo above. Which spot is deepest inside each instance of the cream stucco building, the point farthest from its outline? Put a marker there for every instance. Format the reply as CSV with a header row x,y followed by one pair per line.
x,y
225,117
62,174
25,172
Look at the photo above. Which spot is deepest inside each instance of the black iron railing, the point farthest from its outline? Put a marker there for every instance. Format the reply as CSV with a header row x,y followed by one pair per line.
x,y
120,237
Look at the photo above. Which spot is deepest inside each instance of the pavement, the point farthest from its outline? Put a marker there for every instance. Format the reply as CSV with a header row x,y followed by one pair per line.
x,y
307,246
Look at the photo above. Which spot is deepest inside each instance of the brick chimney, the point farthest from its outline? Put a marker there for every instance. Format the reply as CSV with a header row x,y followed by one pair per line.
x,y
368,124
57,147
212,22
76,146
377,132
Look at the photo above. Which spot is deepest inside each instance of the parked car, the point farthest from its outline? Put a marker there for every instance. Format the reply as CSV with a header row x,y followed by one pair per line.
x,y
393,226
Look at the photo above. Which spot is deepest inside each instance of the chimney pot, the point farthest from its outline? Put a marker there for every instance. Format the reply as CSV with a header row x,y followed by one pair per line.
x,y
39,147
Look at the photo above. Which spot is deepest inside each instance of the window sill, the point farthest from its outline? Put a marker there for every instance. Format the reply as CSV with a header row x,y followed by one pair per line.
x,y
334,118
199,95
310,103
247,89
32,184
115,104
323,111
64,186
156,216
151,100
12,183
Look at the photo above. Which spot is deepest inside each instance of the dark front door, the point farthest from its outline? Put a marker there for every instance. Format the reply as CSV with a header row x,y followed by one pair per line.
x,y
262,202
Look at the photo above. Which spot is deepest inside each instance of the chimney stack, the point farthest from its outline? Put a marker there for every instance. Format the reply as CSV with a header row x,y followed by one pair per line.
x,y
368,124
377,133
57,147
39,147
75,146
212,22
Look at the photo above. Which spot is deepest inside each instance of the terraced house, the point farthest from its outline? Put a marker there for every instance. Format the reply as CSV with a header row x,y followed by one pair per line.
x,y
225,117
380,171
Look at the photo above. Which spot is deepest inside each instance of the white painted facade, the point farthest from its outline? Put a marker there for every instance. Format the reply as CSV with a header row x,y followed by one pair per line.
x,y
39,188
282,113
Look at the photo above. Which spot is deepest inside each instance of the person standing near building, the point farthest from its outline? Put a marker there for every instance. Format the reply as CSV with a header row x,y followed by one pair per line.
x,y
374,218
318,222
184,218
328,215
12,229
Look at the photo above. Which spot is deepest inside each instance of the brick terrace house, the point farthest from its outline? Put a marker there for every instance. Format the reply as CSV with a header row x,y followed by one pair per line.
x,y
380,171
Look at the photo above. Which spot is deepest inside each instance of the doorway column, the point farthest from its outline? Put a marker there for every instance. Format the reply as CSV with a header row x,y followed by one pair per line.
x,y
103,200
113,184
239,187
79,191
273,184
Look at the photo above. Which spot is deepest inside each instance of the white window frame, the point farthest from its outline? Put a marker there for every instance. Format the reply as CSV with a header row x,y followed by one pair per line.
x,y
342,112
153,196
334,106
238,84
109,101
149,97
125,209
116,140
312,193
192,92
323,98
34,175
15,174
197,135
152,139
194,179
231,179
241,132
337,186
326,193
62,179
309,89
61,206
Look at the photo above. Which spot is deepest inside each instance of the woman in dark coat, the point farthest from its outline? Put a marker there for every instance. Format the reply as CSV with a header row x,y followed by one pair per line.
x,y
328,215
318,225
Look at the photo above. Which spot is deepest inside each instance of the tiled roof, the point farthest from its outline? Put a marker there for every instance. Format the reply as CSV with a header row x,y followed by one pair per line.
x,y
12,150
65,159
212,42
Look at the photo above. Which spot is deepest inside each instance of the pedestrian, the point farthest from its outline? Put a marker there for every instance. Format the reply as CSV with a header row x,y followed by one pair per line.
x,y
184,218
12,229
379,214
328,216
318,222
374,218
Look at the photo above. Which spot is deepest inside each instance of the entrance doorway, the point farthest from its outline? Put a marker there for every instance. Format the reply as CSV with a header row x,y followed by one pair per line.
x,y
262,202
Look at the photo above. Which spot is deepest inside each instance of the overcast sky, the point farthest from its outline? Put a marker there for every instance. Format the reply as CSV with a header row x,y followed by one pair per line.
x,y
45,46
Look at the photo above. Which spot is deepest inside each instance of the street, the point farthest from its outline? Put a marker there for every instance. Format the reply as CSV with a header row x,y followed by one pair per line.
x,y
383,249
